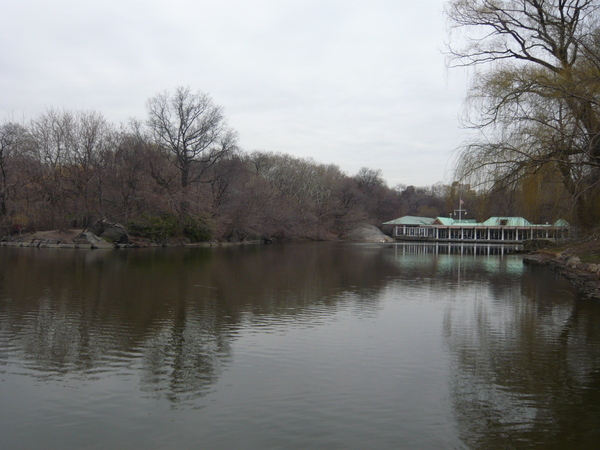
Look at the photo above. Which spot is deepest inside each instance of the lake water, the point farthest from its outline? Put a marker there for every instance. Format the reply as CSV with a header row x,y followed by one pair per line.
x,y
313,345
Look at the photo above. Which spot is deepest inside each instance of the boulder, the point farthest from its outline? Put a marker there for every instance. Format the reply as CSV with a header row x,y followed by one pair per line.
x,y
87,238
594,268
564,256
367,233
573,261
112,232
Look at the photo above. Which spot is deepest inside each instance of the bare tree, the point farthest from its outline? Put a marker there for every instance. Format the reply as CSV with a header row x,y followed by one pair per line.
x,y
536,106
14,149
192,128
70,146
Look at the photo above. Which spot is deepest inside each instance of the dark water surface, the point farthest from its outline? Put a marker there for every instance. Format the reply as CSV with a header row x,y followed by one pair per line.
x,y
294,346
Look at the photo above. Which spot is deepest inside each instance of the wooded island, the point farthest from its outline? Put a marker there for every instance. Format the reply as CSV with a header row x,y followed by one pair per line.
x,y
534,152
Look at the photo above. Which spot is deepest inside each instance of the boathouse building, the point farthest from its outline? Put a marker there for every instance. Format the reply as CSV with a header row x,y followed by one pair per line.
x,y
493,230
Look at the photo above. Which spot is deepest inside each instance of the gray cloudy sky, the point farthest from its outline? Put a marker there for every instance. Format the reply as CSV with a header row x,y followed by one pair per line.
x,y
349,82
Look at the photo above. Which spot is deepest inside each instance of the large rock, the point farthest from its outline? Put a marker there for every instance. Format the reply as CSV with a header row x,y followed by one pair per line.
x,y
367,233
87,238
594,268
112,232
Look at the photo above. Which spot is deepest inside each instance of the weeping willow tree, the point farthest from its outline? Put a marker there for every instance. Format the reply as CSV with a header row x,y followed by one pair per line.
x,y
534,99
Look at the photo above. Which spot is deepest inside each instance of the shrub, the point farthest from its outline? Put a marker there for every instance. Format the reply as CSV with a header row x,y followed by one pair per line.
x,y
198,229
154,227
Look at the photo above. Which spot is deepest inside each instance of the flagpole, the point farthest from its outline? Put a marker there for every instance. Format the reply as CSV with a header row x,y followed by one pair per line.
x,y
460,210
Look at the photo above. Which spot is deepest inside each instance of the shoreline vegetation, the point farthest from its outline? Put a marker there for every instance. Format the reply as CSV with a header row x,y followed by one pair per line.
x,y
68,169
182,173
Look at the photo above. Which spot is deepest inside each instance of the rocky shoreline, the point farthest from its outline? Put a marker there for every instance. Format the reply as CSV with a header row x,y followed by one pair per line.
x,y
585,276
107,235
81,239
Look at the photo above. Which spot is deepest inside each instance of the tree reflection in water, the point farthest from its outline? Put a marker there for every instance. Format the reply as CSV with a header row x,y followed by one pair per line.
x,y
166,316
523,354
526,366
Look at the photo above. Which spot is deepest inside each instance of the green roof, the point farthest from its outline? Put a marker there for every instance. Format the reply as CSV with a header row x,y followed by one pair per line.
x,y
449,221
411,220
491,222
506,222
444,221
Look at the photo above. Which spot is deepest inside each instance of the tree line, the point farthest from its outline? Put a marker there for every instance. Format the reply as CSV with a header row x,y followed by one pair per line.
x,y
181,173
534,105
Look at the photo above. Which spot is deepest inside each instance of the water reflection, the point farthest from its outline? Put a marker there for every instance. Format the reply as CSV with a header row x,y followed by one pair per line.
x,y
455,249
455,270
526,367
447,345
169,314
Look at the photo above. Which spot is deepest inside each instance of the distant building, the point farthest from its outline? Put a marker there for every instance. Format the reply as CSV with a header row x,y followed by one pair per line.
x,y
409,226
493,230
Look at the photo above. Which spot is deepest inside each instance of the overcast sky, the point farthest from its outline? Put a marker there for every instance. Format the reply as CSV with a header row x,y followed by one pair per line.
x,y
348,82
